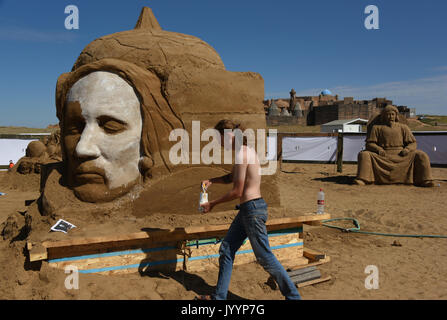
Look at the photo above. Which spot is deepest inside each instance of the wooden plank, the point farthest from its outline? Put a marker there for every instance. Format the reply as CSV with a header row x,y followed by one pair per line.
x,y
37,252
313,255
308,283
308,276
195,232
201,258
313,223
79,246
317,263
98,248
301,271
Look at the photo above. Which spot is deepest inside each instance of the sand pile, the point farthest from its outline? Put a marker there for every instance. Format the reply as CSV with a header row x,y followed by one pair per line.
x,y
413,270
19,182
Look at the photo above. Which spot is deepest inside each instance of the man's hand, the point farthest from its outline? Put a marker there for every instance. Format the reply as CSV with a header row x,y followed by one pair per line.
x,y
403,153
207,207
206,183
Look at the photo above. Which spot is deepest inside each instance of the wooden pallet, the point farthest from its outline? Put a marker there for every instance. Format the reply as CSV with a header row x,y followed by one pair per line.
x,y
191,248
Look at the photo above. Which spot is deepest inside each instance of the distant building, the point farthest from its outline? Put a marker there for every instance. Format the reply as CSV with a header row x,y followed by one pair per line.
x,y
324,108
353,125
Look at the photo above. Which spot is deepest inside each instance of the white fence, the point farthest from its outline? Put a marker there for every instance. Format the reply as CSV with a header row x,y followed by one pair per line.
x,y
324,149
13,146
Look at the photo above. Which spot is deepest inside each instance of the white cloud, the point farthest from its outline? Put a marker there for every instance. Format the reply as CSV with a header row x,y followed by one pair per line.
x,y
439,69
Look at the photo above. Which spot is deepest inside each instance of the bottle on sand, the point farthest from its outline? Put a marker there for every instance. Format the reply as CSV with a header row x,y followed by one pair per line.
x,y
320,202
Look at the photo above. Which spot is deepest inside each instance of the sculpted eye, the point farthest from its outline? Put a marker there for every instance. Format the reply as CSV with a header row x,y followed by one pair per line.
x,y
75,127
74,121
111,125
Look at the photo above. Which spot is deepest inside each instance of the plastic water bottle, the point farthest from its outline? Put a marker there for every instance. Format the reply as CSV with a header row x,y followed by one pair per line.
x,y
203,198
320,202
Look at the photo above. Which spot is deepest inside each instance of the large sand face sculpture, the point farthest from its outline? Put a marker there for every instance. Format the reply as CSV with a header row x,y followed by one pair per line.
x,y
125,94
102,136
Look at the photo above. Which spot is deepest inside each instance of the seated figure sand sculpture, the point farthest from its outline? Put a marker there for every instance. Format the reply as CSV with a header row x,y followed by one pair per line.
x,y
391,156
125,94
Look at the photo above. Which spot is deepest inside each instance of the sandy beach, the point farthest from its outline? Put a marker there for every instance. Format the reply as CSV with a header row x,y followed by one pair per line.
x,y
409,268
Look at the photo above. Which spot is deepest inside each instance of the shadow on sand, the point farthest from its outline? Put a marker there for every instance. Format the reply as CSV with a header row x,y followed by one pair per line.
x,y
191,282
347,180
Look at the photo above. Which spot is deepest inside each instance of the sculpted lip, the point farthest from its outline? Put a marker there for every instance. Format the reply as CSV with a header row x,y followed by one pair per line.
x,y
87,173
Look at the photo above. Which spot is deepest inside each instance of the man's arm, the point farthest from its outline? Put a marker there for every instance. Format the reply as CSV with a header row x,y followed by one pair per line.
x,y
239,173
228,178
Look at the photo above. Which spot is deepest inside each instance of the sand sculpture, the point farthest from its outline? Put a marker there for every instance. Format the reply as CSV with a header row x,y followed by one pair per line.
x,y
391,156
39,153
117,107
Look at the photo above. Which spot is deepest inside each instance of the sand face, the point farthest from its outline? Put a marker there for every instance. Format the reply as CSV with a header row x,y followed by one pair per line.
x,y
102,136
412,271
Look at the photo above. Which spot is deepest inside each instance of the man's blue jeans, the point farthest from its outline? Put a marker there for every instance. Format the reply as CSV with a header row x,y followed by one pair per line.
x,y
250,222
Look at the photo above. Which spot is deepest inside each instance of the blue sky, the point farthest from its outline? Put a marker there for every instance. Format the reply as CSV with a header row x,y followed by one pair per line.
x,y
307,45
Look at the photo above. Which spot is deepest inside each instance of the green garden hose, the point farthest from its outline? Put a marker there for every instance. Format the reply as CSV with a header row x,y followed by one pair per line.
x,y
356,229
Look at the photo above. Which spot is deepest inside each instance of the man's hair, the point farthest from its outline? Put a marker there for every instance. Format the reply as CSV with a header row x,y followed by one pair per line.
x,y
226,124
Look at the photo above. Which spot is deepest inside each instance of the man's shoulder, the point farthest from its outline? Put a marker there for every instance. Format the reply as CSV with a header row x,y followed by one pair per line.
x,y
246,155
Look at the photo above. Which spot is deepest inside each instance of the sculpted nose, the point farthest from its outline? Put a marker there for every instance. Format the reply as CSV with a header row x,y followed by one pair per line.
x,y
87,146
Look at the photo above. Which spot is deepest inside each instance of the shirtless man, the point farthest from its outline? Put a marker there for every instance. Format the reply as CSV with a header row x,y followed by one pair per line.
x,y
249,222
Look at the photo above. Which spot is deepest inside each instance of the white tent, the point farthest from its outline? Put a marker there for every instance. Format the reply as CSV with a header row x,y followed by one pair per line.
x,y
352,125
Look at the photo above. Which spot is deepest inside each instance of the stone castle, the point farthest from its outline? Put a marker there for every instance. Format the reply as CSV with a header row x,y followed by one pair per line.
x,y
324,108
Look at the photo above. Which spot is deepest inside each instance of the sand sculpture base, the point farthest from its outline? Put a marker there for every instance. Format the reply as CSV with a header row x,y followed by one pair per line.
x,y
194,248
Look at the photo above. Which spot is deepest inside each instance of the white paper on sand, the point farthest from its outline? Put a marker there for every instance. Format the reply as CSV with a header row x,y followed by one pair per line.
x,y
63,226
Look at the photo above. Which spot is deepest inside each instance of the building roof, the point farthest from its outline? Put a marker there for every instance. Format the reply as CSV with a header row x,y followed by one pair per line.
x,y
297,106
273,110
326,92
284,112
346,121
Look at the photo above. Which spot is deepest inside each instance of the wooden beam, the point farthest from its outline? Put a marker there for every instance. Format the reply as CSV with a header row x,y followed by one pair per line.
x,y
307,276
301,271
313,255
308,283
316,263
194,232
78,246
37,252
313,223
